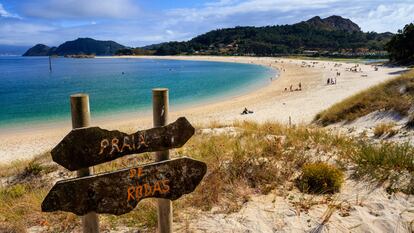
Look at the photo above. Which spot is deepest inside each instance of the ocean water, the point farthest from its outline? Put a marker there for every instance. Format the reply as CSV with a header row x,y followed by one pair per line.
x,y
29,93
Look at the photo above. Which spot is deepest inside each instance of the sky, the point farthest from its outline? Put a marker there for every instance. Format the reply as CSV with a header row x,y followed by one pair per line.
x,y
143,22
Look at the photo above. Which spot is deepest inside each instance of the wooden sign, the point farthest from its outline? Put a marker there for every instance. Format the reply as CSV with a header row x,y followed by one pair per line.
x,y
85,147
119,192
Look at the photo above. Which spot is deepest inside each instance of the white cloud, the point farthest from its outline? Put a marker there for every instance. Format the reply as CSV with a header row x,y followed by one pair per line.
x,y
6,14
80,9
387,17
228,8
55,21
371,15
23,33
220,3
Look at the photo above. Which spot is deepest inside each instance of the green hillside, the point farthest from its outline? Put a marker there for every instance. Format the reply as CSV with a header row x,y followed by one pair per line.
x,y
330,36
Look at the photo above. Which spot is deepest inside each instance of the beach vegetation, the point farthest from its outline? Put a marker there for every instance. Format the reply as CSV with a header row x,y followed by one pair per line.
x,y
250,159
12,192
385,129
386,162
20,167
320,178
410,122
394,95
33,168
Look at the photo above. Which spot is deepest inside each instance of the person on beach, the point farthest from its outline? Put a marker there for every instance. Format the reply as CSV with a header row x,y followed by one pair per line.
x,y
246,111
328,81
291,88
300,86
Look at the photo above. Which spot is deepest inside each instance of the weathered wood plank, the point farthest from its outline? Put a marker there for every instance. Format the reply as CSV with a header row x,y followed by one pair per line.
x,y
119,192
87,147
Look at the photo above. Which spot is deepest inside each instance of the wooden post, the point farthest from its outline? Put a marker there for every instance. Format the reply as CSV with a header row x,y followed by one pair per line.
x,y
50,64
160,118
81,117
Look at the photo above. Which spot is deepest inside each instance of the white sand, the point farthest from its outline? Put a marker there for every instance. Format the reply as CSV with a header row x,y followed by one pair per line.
x,y
270,103
361,209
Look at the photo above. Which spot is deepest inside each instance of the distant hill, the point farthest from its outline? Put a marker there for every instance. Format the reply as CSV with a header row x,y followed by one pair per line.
x,y
333,35
77,47
334,23
39,50
88,46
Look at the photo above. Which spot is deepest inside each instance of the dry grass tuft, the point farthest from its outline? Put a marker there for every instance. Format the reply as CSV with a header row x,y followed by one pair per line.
x,y
410,122
385,129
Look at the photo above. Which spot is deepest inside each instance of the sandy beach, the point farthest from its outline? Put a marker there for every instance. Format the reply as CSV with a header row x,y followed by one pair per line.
x,y
270,103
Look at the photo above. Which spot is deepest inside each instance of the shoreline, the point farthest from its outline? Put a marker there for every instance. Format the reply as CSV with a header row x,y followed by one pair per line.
x,y
269,103
101,117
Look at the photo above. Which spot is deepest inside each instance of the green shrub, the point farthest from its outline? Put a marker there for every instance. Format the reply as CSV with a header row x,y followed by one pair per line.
x,y
13,192
33,168
320,178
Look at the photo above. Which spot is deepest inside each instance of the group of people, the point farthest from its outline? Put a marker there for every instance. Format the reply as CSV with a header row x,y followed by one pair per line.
x,y
355,68
297,89
331,81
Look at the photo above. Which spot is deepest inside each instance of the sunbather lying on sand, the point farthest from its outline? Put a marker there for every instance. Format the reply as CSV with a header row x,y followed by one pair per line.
x,y
245,111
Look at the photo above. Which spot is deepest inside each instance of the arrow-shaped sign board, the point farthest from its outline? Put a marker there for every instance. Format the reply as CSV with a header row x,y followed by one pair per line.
x,y
119,192
85,147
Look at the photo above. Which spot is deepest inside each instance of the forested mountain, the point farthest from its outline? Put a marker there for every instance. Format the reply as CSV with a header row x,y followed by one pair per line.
x,y
334,23
332,35
77,47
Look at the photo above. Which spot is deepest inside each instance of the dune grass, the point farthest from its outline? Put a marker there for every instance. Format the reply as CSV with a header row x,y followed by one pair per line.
x,y
258,159
396,95
386,162
385,129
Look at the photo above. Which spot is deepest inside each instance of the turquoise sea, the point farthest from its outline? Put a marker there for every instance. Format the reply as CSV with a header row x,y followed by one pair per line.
x,y
29,93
